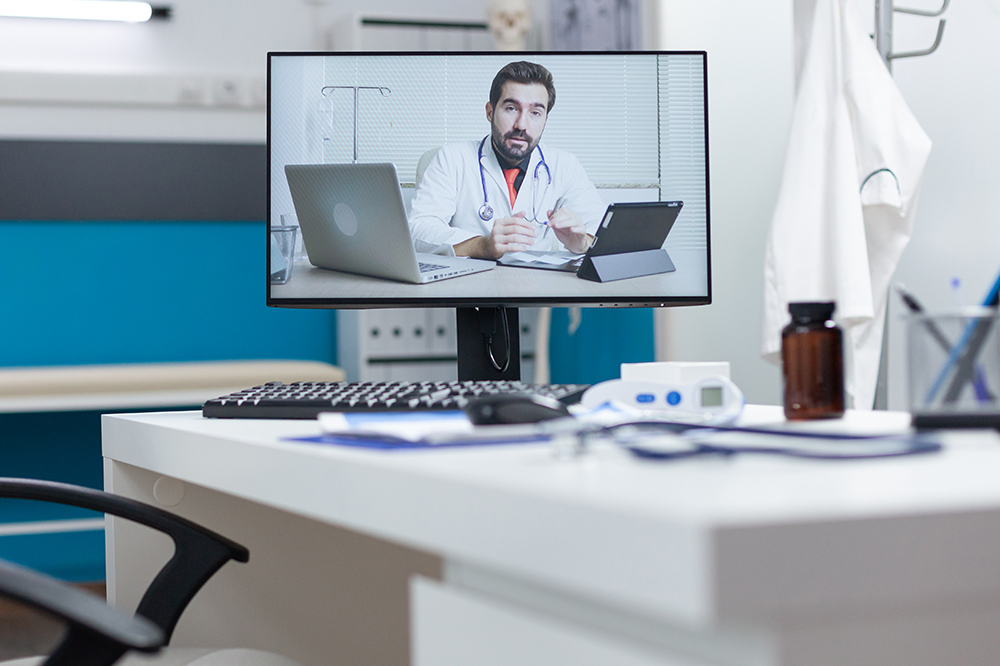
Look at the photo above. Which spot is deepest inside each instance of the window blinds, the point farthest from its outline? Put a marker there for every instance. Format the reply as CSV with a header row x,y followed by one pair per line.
x,y
682,147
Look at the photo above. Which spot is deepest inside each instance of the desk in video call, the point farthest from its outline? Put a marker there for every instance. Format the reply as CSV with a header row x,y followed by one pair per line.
x,y
503,282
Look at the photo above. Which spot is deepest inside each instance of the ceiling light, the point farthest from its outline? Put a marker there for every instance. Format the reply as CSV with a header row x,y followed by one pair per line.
x,y
93,10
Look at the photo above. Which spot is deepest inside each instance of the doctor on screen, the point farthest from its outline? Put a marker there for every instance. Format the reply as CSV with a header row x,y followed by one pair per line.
x,y
506,192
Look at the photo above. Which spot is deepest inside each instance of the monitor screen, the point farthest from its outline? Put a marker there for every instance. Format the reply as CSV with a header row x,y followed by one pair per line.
x,y
488,179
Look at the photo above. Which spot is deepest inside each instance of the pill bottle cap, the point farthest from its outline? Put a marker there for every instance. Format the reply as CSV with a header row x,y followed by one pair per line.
x,y
812,311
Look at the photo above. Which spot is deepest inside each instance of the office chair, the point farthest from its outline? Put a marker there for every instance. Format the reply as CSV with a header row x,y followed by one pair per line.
x,y
423,163
99,635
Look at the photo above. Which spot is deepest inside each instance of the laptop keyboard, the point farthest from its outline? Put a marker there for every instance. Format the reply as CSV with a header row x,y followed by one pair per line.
x,y
305,400
427,268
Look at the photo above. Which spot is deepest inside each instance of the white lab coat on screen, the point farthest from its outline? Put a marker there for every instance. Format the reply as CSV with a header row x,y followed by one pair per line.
x,y
445,208
848,193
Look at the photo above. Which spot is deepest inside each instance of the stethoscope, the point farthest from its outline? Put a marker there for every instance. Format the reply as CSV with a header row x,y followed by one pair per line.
x,y
686,440
486,210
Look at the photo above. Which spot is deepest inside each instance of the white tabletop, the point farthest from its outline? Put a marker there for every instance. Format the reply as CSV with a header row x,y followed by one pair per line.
x,y
696,541
502,282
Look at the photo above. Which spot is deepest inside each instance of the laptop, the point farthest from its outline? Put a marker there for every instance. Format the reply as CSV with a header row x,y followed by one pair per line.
x,y
353,220
637,227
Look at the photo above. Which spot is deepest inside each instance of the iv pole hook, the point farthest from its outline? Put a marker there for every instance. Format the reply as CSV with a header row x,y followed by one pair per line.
x,y
384,91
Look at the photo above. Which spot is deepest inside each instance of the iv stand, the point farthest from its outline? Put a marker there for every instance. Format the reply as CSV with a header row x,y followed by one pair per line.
x,y
385,92
884,10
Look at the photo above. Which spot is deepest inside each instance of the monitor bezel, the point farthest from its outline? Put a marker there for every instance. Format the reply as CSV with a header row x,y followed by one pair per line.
x,y
333,303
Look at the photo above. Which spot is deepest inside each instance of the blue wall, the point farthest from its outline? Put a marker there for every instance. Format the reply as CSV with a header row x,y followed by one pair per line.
x,y
604,339
132,292
124,292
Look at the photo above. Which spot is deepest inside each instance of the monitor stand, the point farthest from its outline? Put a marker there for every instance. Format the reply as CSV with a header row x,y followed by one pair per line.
x,y
480,332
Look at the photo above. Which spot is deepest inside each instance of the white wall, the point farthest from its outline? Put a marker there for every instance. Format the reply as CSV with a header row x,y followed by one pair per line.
x,y
225,36
750,76
205,44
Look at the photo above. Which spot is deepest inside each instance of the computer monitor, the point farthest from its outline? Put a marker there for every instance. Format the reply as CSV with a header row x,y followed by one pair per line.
x,y
489,181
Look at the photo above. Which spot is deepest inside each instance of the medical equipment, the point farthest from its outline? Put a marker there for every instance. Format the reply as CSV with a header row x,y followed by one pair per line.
x,y
327,90
486,210
687,372
662,441
709,400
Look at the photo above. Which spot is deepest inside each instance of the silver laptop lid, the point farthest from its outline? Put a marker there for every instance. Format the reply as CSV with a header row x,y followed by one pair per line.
x,y
353,220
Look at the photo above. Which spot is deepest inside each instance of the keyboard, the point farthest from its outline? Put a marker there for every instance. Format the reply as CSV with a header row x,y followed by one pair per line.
x,y
304,400
426,267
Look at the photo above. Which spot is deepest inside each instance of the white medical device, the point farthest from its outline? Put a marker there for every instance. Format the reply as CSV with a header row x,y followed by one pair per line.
x,y
712,399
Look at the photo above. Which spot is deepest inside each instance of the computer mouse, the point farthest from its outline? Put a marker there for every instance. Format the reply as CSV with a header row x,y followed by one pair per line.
x,y
508,408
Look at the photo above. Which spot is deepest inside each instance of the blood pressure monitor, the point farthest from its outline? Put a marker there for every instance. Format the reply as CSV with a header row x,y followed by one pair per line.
x,y
714,399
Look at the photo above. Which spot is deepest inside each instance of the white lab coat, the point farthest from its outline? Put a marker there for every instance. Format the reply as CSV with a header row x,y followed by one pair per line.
x,y
848,194
445,208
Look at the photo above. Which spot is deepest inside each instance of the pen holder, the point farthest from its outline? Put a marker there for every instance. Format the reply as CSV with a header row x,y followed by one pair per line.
x,y
954,368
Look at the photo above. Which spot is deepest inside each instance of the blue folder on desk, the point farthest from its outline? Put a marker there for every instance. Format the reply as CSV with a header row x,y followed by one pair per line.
x,y
395,431
387,444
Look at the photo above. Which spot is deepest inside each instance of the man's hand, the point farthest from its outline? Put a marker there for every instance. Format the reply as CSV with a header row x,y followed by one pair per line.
x,y
569,229
509,234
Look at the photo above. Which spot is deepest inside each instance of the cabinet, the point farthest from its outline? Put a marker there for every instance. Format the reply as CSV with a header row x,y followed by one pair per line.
x,y
374,33
413,344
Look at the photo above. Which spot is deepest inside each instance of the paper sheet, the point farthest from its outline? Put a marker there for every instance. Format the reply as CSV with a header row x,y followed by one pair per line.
x,y
524,256
408,426
554,260
550,259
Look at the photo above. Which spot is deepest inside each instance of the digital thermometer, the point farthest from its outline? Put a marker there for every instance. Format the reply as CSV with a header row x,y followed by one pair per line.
x,y
715,399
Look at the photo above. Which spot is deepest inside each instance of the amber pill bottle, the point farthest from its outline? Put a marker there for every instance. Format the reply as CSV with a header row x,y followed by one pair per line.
x,y
812,355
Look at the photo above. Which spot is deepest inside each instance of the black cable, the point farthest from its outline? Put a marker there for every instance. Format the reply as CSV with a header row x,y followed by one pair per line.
x,y
489,341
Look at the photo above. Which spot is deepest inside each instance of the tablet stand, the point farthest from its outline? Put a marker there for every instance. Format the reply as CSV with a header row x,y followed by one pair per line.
x,y
609,267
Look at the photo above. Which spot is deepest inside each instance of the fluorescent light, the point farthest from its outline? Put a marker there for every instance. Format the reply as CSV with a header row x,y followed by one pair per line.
x,y
93,10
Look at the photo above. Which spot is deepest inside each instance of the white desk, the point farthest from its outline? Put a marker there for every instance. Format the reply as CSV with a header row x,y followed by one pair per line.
x,y
603,560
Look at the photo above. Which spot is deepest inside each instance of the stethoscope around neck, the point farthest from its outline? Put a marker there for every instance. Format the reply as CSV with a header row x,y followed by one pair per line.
x,y
486,210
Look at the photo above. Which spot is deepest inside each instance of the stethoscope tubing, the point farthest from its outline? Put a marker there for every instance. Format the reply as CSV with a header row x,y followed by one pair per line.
x,y
909,444
486,210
